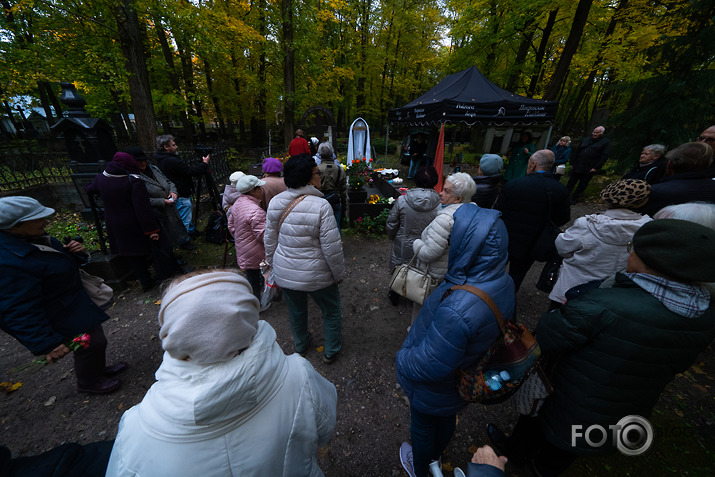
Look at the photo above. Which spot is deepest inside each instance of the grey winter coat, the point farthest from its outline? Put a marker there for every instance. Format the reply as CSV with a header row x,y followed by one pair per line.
x,y
306,252
159,187
408,217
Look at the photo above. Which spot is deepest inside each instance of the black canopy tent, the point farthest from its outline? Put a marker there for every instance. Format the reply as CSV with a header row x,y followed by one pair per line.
x,y
469,97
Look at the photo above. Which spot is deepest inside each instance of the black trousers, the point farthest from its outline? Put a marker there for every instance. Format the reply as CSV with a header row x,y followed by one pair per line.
x,y
582,179
89,363
255,278
518,268
528,442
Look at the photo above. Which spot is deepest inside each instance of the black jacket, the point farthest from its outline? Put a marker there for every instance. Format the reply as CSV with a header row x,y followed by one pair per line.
x,y
178,172
616,348
524,206
651,173
679,189
487,190
590,154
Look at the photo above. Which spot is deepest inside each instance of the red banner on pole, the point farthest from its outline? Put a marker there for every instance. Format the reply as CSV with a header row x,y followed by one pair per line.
x,y
439,160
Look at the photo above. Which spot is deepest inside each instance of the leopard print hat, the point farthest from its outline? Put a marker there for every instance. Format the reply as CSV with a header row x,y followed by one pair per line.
x,y
627,194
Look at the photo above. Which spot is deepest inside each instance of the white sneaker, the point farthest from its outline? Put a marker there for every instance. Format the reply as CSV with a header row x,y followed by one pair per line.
x,y
406,459
265,307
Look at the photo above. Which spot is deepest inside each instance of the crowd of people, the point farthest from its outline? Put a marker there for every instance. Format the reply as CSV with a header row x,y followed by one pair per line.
x,y
633,295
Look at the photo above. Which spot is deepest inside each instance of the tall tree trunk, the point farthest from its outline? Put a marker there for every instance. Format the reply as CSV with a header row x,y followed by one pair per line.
x,y
187,72
574,38
527,37
214,99
124,112
168,53
131,38
364,15
288,70
42,87
259,135
539,59
586,87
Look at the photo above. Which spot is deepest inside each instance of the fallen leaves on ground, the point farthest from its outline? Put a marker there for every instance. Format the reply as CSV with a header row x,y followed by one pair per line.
x,y
10,387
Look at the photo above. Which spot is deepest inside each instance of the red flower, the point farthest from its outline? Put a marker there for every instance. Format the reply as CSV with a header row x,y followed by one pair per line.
x,y
80,342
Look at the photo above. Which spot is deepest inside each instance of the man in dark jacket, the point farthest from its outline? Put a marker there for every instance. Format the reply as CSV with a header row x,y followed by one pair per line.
x,y
182,175
588,158
617,347
528,204
687,178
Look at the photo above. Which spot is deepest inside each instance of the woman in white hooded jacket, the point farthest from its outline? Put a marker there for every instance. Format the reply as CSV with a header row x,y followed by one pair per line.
x,y
596,246
227,401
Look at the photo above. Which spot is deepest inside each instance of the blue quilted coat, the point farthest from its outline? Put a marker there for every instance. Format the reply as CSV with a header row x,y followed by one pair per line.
x,y
454,333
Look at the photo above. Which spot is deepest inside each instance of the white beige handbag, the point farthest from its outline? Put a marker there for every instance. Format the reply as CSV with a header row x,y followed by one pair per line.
x,y
412,283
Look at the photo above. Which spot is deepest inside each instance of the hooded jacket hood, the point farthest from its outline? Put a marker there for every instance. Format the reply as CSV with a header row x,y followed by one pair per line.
x,y
422,200
618,232
203,402
478,246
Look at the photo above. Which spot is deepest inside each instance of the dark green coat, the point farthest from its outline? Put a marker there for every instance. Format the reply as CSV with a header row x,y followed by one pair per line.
x,y
617,348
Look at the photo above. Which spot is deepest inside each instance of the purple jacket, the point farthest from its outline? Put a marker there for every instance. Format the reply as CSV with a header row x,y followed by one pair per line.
x,y
127,210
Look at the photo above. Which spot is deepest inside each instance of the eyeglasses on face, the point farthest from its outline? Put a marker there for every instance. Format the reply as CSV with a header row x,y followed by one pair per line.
x,y
705,139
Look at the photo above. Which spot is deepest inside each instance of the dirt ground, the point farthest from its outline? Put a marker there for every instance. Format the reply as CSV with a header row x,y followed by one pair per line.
x,y
373,414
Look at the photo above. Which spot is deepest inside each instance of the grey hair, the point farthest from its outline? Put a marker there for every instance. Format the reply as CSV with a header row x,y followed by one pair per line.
x,y
163,140
657,149
568,140
701,213
325,151
463,185
544,159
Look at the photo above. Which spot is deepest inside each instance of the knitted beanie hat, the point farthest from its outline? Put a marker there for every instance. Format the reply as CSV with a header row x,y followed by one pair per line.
x,y
491,164
208,318
679,249
271,165
14,210
627,194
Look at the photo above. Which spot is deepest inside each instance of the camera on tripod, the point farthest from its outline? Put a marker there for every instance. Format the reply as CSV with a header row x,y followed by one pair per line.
x,y
203,151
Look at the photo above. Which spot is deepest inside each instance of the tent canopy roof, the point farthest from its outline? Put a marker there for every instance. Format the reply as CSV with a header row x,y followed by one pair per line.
x,y
469,97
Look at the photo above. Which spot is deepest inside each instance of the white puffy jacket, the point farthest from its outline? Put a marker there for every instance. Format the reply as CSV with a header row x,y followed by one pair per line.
x,y
307,254
260,413
594,248
432,248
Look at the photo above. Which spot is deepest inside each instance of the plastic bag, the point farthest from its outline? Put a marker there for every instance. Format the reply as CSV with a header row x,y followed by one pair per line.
x,y
271,291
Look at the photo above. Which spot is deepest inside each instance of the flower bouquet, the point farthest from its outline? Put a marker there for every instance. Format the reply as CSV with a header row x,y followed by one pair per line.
x,y
78,342
358,173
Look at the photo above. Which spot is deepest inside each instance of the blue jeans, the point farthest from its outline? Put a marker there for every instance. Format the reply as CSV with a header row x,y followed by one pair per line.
x,y
183,207
430,436
328,300
414,165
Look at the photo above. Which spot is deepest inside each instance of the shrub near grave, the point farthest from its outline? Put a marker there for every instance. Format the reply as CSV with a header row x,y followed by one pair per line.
x,y
372,225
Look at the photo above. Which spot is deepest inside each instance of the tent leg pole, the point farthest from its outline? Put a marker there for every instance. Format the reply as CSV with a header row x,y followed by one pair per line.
x,y
548,136
387,138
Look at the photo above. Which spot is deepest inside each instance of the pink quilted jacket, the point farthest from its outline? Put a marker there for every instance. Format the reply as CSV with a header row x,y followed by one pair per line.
x,y
247,222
